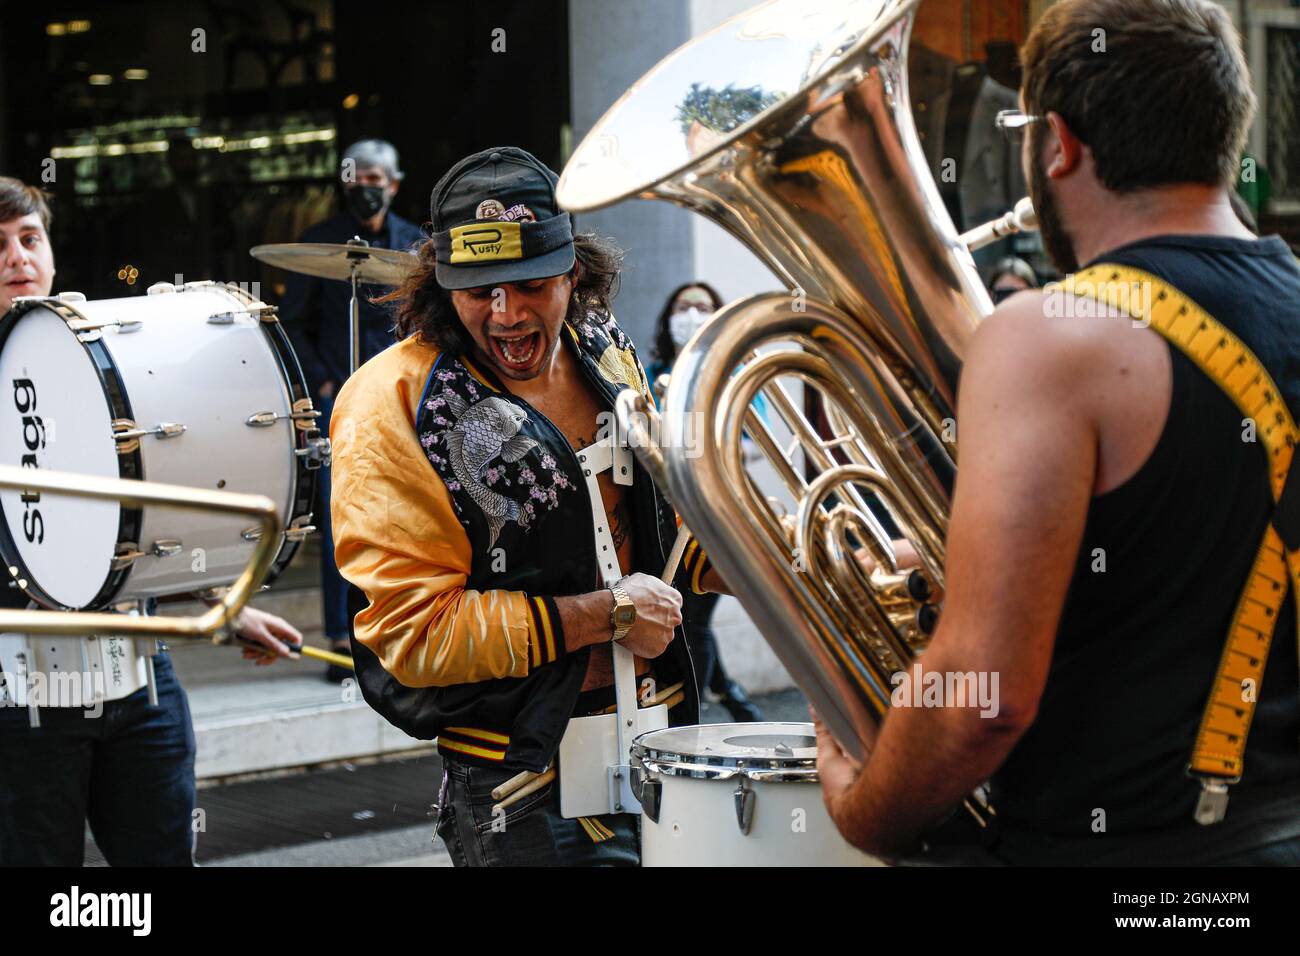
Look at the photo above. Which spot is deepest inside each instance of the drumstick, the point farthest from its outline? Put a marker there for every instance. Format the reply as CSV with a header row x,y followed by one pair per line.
x,y
330,657
531,786
665,693
675,555
672,693
514,783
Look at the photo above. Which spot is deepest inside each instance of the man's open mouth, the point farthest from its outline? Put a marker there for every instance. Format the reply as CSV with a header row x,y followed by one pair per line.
x,y
516,351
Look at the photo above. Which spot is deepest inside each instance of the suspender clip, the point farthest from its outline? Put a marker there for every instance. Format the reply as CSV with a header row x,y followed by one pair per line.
x,y
1212,804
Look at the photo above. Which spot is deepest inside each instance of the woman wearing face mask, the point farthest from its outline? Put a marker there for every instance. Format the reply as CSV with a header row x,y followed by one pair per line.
x,y
1011,275
686,310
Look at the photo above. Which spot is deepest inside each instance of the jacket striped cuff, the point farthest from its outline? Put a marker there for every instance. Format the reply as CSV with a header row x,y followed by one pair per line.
x,y
545,632
695,563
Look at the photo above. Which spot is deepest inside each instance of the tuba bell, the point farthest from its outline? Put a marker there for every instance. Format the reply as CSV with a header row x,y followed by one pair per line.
x,y
790,127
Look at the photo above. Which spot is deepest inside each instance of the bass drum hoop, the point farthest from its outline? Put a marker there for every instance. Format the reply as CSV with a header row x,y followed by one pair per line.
x,y
129,465
305,479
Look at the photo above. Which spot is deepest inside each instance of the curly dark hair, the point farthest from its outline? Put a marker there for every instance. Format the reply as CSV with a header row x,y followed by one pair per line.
x,y
665,352
424,308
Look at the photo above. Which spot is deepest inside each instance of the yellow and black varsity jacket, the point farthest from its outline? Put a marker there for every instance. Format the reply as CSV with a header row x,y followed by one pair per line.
x,y
461,513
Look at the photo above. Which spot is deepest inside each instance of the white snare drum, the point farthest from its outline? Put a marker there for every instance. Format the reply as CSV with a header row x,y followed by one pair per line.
x,y
194,385
735,795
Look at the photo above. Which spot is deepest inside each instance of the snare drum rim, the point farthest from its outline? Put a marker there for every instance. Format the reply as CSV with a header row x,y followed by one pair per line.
x,y
129,465
770,769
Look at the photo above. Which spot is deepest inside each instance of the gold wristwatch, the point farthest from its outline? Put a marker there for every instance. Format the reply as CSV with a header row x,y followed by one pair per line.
x,y
623,614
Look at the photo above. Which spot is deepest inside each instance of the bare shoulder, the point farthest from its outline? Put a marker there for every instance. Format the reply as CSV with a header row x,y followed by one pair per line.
x,y
1050,341
1050,354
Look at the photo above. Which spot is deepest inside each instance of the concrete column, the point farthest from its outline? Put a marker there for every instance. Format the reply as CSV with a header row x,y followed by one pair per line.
x,y
717,258
613,43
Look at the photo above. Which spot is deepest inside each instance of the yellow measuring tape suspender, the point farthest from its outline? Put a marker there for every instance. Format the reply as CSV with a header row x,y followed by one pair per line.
x,y
1218,754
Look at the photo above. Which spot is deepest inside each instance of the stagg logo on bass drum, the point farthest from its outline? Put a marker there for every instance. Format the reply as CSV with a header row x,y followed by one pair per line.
x,y
33,441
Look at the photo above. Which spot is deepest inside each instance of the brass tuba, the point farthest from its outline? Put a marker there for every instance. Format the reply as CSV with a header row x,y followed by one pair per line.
x,y
790,127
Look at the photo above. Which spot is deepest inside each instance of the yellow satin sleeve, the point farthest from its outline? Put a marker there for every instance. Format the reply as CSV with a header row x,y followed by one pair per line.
x,y
397,538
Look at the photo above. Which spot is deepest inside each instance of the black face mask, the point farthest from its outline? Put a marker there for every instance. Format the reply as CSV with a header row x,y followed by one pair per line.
x,y
364,202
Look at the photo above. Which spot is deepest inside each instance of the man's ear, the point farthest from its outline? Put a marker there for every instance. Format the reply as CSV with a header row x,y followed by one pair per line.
x,y
1064,149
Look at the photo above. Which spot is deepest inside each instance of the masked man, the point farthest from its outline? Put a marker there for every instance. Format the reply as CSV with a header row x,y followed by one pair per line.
x,y
316,313
480,502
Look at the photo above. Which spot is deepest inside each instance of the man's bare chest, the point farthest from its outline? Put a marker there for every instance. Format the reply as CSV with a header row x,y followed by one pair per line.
x,y
583,421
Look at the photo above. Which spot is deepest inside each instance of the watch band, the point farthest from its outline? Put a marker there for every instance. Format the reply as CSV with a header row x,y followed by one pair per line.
x,y
621,599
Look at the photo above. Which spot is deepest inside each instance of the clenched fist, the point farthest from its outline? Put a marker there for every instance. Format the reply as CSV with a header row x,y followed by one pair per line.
x,y
658,612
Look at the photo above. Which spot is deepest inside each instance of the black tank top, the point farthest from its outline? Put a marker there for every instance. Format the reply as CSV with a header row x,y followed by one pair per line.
x,y
1139,642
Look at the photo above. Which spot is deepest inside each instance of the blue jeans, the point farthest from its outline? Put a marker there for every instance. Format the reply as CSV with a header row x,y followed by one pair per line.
x,y
129,771
334,590
528,833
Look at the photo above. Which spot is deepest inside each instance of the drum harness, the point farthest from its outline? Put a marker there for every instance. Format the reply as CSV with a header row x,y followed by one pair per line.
x,y
611,452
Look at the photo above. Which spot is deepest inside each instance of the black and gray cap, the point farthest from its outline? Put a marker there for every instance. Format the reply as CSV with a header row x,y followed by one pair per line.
x,y
495,220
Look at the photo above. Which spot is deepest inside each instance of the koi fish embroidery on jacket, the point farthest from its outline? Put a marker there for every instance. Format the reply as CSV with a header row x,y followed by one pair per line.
x,y
483,432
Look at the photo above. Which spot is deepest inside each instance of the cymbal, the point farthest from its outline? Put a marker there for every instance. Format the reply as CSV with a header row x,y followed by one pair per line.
x,y
329,260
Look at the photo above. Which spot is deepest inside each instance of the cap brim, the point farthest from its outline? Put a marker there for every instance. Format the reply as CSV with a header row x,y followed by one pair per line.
x,y
554,263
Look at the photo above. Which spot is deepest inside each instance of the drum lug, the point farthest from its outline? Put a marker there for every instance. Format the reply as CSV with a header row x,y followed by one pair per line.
x,y
167,429
744,798
258,309
648,791
126,432
297,531
165,547
89,326
86,337
303,416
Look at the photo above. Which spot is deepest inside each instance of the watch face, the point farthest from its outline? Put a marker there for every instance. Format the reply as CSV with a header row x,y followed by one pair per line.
x,y
625,616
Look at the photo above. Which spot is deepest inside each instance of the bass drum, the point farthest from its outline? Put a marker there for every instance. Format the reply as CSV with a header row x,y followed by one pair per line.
x,y
735,795
193,385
